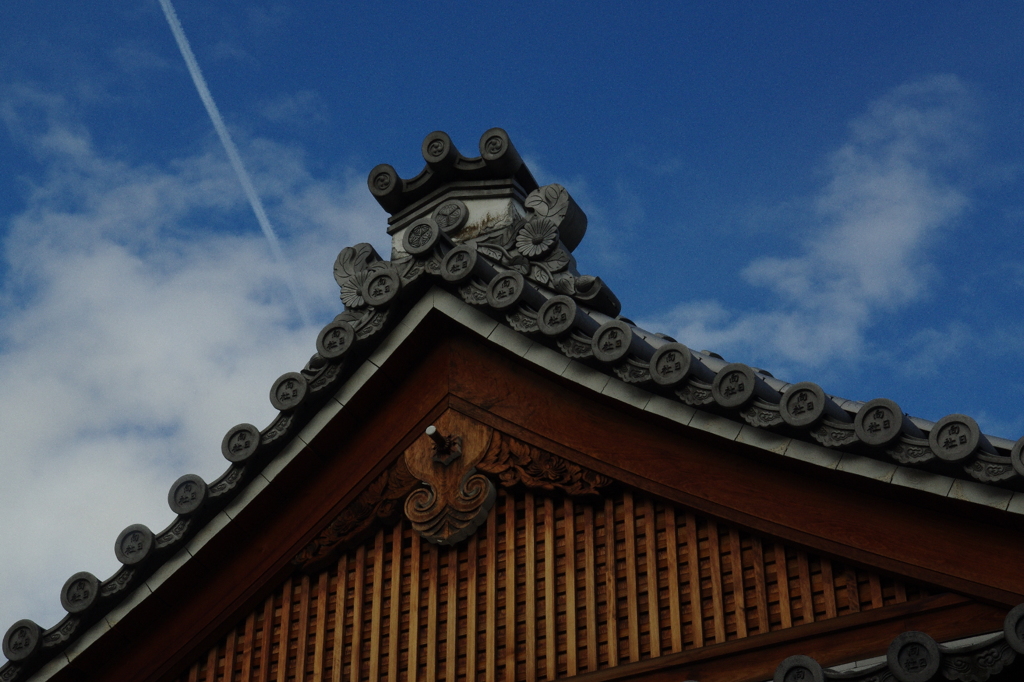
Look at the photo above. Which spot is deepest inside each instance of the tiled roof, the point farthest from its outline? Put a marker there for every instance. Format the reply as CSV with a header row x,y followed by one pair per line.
x,y
478,241
916,657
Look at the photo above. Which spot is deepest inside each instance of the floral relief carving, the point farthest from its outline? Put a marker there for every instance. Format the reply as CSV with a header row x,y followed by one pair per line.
x,y
411,483
514,461
379,500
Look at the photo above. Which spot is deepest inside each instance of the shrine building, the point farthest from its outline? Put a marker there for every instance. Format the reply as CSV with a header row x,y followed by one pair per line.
x,y
486,472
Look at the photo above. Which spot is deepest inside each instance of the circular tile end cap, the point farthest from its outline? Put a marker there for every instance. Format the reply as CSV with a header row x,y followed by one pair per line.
x,y
556,316
505,290
288,391
879,422
799,669
611,341
240,443
437,148
802,404
494,144
133,544
1013,628
458,264
79,592
187,494
450,216
335,340
21,640
913,657
1017,456
421,237
670,364
381,286
383,181
734,385
954,437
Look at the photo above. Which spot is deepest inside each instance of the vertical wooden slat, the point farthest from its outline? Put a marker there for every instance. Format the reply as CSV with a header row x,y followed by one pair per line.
x,y
491,674
571,630
452,615
806,589
266,646
510,589
193,673
760,587
852,590
717,591
433,574
672,552
632,586
359,588
282,640
211,665
472,585
696,598
738,594
395,610
901,592
414,607
303,629
653,603
247,647
590,561
828,581
611,583
229,655
339,619
876,591
782,576
531,590
550,614
376,604
320,640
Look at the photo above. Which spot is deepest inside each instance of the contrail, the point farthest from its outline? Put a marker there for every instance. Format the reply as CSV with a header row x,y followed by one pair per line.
x,y
232,151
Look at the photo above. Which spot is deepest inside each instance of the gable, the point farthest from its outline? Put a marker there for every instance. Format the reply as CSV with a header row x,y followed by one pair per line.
x,y
593,584
675,503
558,438
571,573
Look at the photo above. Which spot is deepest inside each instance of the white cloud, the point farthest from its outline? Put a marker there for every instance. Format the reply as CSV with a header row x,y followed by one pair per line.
x,y
142,316
865,255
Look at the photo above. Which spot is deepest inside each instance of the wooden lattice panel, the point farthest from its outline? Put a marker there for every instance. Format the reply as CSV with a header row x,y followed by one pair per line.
x,y
547,588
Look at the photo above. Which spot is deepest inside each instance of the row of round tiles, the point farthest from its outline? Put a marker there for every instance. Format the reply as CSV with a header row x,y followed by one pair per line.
x,y
916,657
137,542
877,424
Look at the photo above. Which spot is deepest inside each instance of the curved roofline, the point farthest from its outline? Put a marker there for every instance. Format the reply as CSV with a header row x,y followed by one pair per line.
x,y
517,287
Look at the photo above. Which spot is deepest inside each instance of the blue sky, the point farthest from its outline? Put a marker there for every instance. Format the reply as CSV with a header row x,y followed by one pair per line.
x,y
831,191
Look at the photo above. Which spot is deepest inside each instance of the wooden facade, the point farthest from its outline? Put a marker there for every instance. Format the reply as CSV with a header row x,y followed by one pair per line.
x,y
549,588
675,562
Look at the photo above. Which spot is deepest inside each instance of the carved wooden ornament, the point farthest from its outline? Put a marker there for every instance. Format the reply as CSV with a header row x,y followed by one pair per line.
x,y
455,498
508,460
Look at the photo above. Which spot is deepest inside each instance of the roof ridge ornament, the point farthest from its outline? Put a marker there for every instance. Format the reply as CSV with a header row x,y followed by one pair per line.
x,y
498,160
468,221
